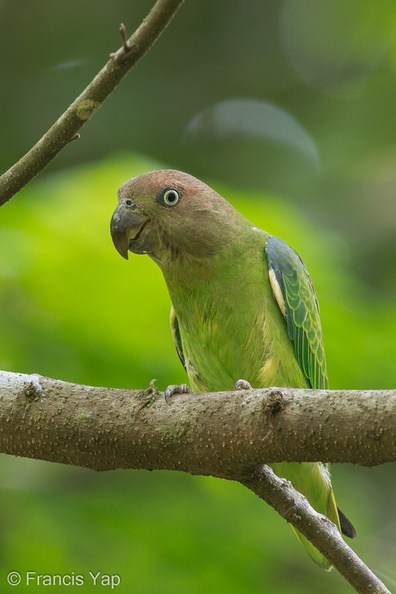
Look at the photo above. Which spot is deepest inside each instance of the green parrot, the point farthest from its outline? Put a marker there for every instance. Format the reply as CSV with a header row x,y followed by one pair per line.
x,y
243,305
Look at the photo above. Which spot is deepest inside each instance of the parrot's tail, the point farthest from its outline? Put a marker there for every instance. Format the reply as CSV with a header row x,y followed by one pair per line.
x,y
347,528
313,551
313,481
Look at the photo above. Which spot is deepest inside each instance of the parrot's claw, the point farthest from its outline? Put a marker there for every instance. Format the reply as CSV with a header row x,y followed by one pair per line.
x,y
242,384
176,389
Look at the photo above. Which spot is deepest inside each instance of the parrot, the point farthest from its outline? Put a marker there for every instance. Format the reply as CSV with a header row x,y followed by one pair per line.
x,y
244,310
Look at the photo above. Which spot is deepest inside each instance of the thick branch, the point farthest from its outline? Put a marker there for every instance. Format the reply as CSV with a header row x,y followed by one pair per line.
x,y
81,110
224,434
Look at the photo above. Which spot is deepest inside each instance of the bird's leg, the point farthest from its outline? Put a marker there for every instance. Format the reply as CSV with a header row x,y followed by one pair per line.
x,y
176,389
242,384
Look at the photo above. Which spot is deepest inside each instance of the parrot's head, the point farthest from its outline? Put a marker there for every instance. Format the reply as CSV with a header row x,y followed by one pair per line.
x,y
168,214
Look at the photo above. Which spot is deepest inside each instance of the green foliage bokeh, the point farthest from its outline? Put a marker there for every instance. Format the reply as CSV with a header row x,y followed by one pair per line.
x,y
73,309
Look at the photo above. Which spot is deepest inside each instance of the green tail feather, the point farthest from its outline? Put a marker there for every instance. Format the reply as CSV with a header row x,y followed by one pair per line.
x,y
313,551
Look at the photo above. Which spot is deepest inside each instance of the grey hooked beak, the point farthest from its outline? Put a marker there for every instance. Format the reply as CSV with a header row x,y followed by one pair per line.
x,y
126,224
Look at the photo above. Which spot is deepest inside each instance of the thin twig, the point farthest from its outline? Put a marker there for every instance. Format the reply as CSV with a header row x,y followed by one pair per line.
x,y
64,130
124,38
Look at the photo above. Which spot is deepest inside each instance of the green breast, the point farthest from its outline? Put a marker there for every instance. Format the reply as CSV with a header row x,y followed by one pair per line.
x,y
230,324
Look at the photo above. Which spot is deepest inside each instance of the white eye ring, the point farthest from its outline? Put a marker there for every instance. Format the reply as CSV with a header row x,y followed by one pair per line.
x,y
171,197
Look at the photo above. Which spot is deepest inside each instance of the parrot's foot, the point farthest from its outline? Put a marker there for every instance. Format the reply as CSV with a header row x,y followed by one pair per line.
x,y
242,384
176,389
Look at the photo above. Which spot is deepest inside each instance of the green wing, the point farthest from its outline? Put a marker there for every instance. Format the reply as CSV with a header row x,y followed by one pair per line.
x,y
295,294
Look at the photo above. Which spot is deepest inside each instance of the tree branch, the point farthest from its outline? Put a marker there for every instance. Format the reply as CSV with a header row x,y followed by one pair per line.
x,y
223,434
66,128
295,509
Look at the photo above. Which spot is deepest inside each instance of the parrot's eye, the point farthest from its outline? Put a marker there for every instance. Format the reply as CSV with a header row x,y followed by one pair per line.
x,y
170,196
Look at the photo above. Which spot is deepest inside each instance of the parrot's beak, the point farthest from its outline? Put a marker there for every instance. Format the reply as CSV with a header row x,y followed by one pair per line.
x,y
126,227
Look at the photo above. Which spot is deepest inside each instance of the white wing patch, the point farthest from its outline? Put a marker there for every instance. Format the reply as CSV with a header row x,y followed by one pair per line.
x,y
277,291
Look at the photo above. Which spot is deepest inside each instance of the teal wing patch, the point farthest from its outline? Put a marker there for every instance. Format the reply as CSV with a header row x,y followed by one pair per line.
x,y
174,324
295,294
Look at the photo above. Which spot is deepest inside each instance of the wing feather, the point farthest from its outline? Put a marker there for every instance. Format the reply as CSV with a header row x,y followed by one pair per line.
x,y
174,324
295,295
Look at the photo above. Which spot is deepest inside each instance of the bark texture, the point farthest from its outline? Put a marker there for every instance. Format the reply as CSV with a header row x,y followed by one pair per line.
x,y
224,434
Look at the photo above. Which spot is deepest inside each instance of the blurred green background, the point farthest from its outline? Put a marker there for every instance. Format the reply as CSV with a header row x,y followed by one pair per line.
x,y
287,109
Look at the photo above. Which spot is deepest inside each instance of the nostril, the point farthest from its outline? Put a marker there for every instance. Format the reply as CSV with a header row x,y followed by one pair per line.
x,y
128,202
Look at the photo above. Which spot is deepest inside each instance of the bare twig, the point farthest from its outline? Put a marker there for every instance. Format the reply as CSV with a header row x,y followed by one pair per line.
x,y
124,38
82,109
